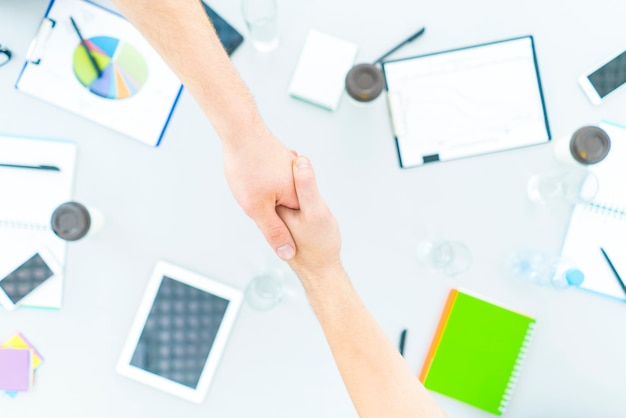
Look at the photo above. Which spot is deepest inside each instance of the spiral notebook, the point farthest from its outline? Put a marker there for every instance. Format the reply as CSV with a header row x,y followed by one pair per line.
x,y
602,222
35,177
477,352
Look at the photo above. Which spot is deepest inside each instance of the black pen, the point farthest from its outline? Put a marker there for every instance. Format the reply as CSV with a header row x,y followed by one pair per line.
x,y
400,45
402,341
617,276
84,44
33,167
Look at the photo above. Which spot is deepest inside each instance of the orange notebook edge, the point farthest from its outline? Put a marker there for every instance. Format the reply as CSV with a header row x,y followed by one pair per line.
x,y
438,333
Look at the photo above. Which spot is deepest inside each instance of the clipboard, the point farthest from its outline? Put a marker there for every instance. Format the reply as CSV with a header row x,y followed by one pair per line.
x,y
136,92
466,102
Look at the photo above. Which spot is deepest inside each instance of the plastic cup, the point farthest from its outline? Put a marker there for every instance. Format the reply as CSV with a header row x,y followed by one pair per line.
x,y
588,145
72,221
364,82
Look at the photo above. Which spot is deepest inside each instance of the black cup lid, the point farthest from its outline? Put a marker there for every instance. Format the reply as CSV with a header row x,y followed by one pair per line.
x,y
590,144
365,82
71,221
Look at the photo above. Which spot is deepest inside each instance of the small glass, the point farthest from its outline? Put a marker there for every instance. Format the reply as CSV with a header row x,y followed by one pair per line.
x,y
570,186
450,257
266,290
261,18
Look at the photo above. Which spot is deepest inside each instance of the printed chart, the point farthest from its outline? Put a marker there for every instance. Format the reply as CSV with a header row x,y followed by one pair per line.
x,y
124,70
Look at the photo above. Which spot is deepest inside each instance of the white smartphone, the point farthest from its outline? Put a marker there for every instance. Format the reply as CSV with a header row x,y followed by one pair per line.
x,y
180,332
27,278
605,78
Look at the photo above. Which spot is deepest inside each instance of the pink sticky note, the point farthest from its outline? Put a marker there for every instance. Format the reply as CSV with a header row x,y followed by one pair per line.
x,y
15,369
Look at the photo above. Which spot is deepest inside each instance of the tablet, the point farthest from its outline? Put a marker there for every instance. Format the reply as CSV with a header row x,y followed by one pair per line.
x,y
179,332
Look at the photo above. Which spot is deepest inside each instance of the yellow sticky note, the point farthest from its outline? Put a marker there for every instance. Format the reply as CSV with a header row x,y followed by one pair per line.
x,y
18,341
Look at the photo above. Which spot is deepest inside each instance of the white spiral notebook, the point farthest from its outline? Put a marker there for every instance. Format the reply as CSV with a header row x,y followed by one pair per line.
x,y
602,223
35,177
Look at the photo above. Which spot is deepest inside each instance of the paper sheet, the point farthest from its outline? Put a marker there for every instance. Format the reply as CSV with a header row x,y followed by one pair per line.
x,y
135,94
321,71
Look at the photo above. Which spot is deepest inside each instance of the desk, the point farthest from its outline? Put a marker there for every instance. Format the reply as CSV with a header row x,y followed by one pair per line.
x,y
173,203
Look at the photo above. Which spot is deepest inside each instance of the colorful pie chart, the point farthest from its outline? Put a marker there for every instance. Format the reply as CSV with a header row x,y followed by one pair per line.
x,y
124,70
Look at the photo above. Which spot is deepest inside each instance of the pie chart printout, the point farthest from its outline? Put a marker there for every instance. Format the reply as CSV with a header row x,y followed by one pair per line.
x,y
124,69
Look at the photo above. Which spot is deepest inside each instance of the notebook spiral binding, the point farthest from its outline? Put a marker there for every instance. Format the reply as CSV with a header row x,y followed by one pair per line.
x,y
20,224
614,212
516,368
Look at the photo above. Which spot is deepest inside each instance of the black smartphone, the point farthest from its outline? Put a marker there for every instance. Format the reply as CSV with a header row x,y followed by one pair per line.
x,y
228,35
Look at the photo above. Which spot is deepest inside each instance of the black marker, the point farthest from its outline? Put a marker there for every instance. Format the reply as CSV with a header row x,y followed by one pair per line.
x,y
33,167
402,341
617,276
406,41
84,44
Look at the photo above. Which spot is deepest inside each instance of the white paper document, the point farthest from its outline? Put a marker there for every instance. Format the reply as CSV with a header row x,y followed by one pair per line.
x,y
321,71
136,92
466,102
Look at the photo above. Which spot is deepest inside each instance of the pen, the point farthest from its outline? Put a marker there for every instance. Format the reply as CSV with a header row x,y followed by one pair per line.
x,y
84,44
406,41
617,276
402,340
34,167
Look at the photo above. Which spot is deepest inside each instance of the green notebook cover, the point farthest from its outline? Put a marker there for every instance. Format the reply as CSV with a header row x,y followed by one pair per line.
x,y
477,351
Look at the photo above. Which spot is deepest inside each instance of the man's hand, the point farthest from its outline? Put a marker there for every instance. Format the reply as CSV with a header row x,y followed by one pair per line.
x,y
259,173
313,227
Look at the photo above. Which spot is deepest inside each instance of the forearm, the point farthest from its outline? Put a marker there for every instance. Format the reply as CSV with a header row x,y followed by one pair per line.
x,y
378,379
183,35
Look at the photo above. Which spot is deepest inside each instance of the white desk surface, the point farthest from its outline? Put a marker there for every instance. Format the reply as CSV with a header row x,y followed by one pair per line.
x,y
173,203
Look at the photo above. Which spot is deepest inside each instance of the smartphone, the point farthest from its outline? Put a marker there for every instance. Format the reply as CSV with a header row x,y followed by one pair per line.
x,y
26,278
605,78
228,35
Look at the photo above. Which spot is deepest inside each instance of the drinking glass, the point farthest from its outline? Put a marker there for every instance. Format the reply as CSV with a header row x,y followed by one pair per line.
x,y
449,257
266,289
577,185
261,20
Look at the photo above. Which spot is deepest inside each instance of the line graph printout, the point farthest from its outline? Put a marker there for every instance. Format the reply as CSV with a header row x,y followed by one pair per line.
x,y
466,102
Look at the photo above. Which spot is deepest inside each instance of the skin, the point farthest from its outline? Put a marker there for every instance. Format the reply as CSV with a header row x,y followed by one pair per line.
x,y
379,381
257,166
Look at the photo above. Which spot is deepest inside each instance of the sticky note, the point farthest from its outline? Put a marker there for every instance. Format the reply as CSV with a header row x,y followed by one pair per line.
x,y
15,369
19,341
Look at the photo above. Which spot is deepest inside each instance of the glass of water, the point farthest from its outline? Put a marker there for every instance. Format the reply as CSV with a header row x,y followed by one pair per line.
x,y
449,257
576,185
261,20
266,289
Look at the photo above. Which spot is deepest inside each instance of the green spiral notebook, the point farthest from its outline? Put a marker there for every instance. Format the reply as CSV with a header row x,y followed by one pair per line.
x,y
477,351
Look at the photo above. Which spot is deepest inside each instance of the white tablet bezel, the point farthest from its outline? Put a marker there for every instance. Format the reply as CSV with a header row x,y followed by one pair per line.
x,y
50,261
161,270
588,88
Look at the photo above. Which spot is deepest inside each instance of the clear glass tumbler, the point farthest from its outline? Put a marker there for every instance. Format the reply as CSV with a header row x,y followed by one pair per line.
x,y
576,185
449,257
266,290
261,17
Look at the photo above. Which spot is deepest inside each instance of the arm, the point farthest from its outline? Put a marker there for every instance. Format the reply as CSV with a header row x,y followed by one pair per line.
x,y
256,164
378,379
